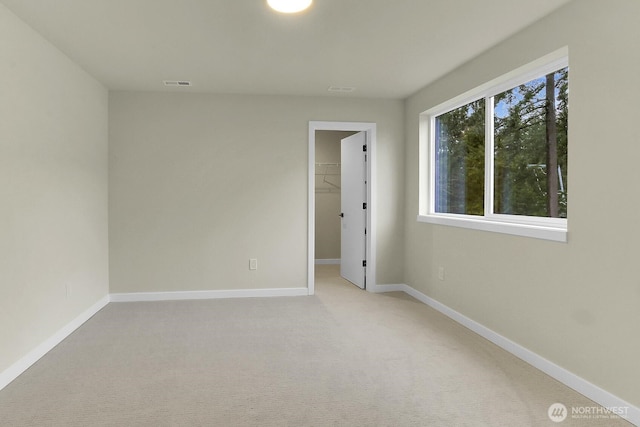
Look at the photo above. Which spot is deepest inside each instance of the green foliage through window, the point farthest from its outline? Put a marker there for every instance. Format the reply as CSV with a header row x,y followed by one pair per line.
x,y
530,151
459,174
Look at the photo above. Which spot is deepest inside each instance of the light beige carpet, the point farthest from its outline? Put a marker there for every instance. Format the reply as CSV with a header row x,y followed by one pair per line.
x,y
344,357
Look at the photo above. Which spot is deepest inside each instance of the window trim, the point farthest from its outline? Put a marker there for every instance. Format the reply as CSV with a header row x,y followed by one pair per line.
x,y
527,226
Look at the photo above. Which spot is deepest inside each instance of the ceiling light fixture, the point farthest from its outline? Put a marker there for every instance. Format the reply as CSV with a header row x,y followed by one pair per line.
x,y
289,6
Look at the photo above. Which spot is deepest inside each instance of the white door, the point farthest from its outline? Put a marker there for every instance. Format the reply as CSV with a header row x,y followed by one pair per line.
x,y
353,206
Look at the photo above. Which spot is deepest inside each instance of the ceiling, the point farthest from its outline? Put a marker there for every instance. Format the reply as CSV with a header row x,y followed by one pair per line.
x,y
383,48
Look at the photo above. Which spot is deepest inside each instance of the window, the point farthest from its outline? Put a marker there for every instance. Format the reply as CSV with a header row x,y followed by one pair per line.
x,y
459,160
496,158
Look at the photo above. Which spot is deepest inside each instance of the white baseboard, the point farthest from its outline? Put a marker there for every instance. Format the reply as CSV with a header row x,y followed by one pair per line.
x,y
569,379
387,288
328,261
189,295
13,371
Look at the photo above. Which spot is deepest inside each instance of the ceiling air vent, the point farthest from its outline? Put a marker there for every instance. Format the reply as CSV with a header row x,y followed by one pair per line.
x,y
341,89
182,83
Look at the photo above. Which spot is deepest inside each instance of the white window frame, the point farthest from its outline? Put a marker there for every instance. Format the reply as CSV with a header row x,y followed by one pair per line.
x,y
520,225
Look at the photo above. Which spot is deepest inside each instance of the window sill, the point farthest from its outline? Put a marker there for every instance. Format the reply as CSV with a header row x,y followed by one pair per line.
x,y
516,229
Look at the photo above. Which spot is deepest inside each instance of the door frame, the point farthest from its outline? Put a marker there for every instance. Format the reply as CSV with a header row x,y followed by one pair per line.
x,y
370,239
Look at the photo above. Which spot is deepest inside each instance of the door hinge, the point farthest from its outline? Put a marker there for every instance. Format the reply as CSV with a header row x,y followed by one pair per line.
x,y
364,206
364,262
364,148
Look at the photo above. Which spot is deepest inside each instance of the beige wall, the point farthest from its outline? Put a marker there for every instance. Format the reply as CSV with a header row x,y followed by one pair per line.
x,y
576,304
53,184
327,236
201,183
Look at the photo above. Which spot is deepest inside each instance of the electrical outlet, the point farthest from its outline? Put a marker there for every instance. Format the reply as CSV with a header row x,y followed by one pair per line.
x,y
441,273
253,264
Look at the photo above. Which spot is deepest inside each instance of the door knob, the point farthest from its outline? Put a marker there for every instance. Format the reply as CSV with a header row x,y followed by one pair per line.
x,y
341,215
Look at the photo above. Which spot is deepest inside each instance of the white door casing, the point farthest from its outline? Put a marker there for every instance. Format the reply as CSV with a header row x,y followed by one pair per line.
x,y
353,196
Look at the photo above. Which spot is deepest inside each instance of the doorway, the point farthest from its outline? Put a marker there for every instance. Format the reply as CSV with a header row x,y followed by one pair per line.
x,y
369,134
